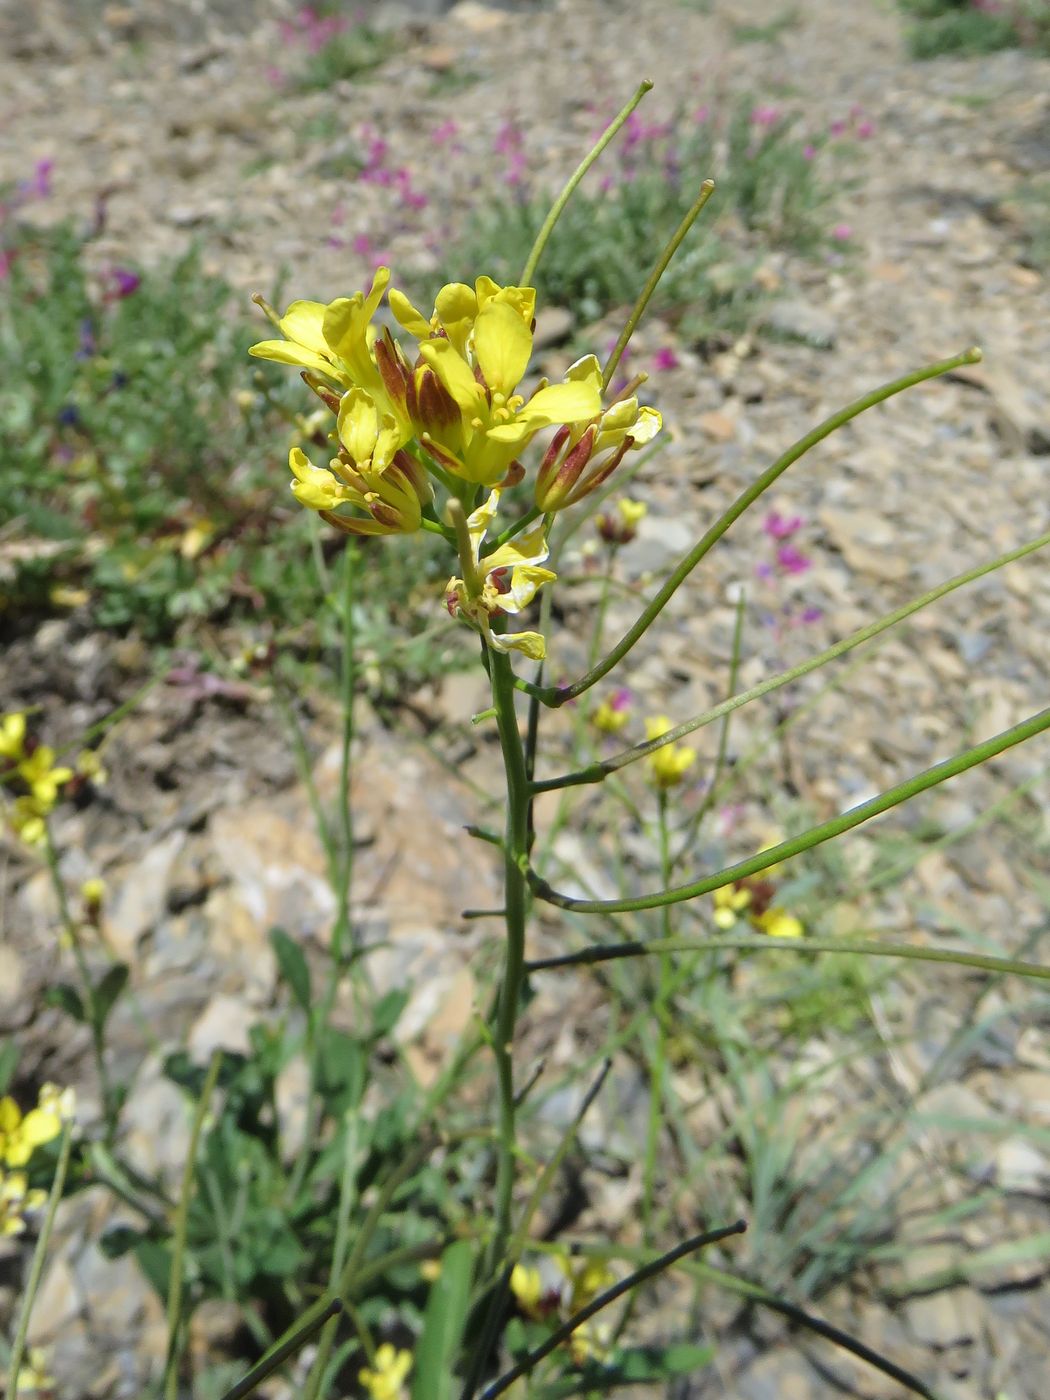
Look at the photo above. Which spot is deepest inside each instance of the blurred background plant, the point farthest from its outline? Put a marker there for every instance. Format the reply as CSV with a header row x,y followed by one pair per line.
x,y
975,26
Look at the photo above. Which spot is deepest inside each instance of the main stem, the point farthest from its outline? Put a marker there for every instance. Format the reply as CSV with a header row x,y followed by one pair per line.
x,y
515,902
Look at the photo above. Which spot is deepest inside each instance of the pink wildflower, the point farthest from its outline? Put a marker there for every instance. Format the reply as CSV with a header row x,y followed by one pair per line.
x,y
665,359
781,527
792,560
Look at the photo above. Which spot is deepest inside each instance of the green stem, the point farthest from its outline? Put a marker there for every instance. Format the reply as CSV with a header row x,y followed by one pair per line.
x,y
95,1020
658,1064
707,189
826,831
512,531
340,876
577,175
516,898
560,696
597,772
179,1231
610,952
36,1268
282,1353
708,800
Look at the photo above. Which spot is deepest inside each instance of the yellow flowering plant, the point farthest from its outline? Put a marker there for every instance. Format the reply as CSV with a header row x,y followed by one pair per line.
x,y
442,428
445,427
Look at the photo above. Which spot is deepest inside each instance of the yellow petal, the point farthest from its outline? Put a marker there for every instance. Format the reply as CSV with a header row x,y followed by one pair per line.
x,y
406,315
358,424
557,403
530,644
454,373
286,353
502,346
303,322
457,308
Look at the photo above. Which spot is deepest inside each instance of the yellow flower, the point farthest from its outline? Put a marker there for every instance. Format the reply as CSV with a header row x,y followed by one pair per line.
x,y
505,581
669,765
332,339
12,737
779,923
527,1286
631,512
90,766
21,1134
40,775
612,715
33,1379
477,346
581,457
588,1278
28,817
386,1380
730,900
15,1201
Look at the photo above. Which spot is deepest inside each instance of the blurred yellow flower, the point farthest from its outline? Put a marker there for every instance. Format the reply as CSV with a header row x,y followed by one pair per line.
x,y
34,1382
669,765
15,1201
778,923
612,714
527,1287
386,1379
730,901
21,1134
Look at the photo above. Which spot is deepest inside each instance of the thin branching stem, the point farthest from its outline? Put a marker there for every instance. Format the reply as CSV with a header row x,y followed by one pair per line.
x,y
529,270
825,831
757,942
632,1281
556,695
707,189
515,901
597,772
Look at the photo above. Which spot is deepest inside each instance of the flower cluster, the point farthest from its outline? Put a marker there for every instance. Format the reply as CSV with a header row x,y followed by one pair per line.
x,y
385,1378
752,899
20,1135
30,772
451,420
582,1280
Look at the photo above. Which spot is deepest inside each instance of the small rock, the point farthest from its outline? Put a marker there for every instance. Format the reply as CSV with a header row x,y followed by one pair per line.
x,y
222,1025
142,897
56,1304
1019,1167
797,320
945,1319
554,325
719,426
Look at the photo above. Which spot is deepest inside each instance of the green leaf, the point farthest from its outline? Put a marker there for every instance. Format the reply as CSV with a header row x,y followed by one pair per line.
x,y
443,1324
108,989
8,1063
154,1259
67,999
387,1011
293,965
